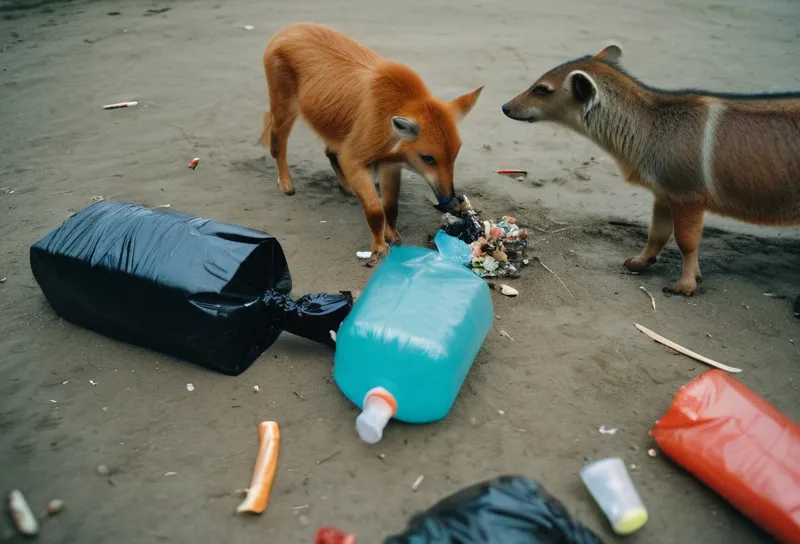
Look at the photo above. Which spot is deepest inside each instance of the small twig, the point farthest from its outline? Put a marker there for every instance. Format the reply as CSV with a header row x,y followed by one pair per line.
x,y
298,395
680,349
540,229
328,458
553,221
562,229
653,300
417,482
538,260
504,333
300,507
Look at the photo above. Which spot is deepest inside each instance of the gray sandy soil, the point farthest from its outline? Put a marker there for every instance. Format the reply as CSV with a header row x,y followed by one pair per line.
x,y
529,406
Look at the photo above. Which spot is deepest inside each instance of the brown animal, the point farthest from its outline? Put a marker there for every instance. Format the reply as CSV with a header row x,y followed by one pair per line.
x,y
733,155
374,116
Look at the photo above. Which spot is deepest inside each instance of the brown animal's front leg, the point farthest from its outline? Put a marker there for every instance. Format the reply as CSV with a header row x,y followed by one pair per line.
x,y
334,159
688,220
660,233
363,187
390,175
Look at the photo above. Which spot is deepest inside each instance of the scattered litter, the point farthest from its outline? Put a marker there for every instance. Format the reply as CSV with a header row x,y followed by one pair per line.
x,y
11,192
65,382
770,295
249,27
98,198
651,452
382,457
328,458
269,438
508,291
363,254
24,520
255,389
605,429
298,395
120,105
170,474
633,467
501,412
189,387
300,507
518,175
417,482
333,336
162,206
194,163
554,275
504,333
495,249
680,349
610,485
54,507
54,401
103,470
105,408
652,299
3,280
92,382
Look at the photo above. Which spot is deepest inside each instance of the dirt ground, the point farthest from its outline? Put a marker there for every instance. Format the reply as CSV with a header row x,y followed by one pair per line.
x,y
531,405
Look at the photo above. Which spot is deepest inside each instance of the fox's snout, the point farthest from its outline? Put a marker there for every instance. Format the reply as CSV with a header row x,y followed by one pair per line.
x,y
507,110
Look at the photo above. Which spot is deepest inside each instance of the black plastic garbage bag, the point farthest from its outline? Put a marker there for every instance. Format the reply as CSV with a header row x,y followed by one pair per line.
x,y
211,293
504,510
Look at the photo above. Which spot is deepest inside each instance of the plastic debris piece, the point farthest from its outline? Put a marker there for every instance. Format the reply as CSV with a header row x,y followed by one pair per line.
x,y
249,27
24,520
740,446
363,254
3,280
508,291
269,438
120,105
256,389
417,482
605,429
170,473
193,164
54,507
98,198
651,452
331,535
503,509
189,387
612,488
103,470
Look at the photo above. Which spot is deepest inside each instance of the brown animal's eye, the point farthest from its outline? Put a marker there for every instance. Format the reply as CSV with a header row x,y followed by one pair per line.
x,y
427,159
541,90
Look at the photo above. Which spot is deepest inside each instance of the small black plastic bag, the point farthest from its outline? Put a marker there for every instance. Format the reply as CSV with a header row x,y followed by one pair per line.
x,y
211,293
504,510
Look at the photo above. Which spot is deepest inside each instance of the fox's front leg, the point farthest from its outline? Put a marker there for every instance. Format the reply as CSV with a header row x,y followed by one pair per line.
x,y
660,232
390,175
362,185
688,230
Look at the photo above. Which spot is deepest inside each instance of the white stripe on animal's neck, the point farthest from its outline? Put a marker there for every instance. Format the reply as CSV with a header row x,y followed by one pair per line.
x,y
714,111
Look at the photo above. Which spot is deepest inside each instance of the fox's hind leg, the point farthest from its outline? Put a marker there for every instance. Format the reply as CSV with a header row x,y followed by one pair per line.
x,y
334,158
661,226
688,230
282,88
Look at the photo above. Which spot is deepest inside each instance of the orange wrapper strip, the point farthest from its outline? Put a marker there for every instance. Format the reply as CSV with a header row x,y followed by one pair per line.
x,y
269,441
740,446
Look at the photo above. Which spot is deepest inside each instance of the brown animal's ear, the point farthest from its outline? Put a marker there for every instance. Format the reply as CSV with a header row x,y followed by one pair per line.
x,y
406,128
462,105
612,53
583,87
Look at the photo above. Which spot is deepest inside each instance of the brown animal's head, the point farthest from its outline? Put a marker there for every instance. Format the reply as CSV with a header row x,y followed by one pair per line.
x,y
568,92
428,140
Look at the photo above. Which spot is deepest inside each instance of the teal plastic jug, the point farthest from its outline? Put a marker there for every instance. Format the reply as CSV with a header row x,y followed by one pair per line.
x,y
412,336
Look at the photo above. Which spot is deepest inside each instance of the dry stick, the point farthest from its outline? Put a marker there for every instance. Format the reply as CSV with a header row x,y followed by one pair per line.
x,y
538,260
653,300
680,349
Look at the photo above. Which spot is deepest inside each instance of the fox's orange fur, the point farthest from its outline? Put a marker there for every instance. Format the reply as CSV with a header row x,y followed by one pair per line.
x,y
733,155
374,116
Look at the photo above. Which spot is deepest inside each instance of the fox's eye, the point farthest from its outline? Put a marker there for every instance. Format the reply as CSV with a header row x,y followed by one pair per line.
x,y
427,159
542,90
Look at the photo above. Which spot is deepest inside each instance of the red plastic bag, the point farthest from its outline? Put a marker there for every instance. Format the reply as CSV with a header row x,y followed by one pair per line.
x,y
740,446
332,535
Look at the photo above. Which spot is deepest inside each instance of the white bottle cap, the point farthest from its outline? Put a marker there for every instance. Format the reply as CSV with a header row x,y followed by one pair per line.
x,y
379,407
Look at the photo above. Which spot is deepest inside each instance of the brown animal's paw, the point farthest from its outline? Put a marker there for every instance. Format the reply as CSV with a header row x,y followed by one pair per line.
x,y
286,186
685,287
637,264
378,254
393,237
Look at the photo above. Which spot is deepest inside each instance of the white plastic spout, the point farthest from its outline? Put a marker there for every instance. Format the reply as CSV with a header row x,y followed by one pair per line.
x,y
379,407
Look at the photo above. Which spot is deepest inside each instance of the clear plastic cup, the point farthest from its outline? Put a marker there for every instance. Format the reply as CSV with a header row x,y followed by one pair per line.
x,y
611,487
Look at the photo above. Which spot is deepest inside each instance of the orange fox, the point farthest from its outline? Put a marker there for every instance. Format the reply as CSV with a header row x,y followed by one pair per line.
x,y
374,116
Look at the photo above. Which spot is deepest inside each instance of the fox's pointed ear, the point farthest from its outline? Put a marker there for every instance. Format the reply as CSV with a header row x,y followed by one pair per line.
x,y
462,105
582,85
405,128
612,53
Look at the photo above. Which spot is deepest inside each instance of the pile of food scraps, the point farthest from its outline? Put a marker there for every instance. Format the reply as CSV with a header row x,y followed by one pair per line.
x,y
498,248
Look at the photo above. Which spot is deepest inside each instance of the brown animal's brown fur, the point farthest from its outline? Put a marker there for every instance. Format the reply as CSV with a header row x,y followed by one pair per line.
x,y
372,114
733,155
